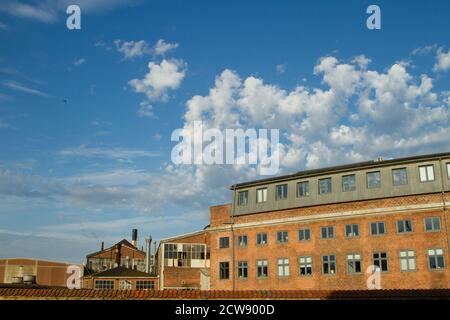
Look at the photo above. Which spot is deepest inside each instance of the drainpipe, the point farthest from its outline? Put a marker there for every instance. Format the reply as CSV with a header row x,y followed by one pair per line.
x,y
232,241
444,207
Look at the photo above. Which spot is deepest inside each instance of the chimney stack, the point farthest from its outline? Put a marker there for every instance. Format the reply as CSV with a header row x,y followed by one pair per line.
x,y
134,237
148,246
103,246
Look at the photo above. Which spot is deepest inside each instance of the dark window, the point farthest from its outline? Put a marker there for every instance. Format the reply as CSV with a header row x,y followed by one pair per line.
x,y
373,179
242,241
282,191
261,238
327,232
349,183
354,263
305,264
282,236
224,242
242,269
104,284
144,285
436,258
325,186
404,226
432,224
352,230
242,198
262,268
380,260
329,264
304,234
399,177
377,228
303,189
224,270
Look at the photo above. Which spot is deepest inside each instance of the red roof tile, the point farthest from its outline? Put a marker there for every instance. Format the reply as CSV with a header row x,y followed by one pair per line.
x,y
27,293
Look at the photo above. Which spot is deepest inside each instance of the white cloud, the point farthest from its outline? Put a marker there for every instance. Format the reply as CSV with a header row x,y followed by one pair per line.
x,y
84,151
424,50
16,86
79,62
50,11
161,77
161,47
443,60
145,110
132,49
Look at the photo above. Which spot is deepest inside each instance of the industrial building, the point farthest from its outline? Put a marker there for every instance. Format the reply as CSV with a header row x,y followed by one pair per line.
x,y
26,271
122,266
330,228
184,261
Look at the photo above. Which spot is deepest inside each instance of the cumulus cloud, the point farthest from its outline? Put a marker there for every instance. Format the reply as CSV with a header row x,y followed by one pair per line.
x,y
132,49
442,60
162,47
161,78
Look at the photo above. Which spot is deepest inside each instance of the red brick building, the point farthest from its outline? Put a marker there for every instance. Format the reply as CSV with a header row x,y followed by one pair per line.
x,y
183,261
323,229
122,254
121,278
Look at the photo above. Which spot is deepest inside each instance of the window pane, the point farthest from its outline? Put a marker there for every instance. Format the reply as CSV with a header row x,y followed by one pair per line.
x,y
423,174
381,228
303,189
408,226
448,170
349,183
399,177
324,186
430,173
281,192
373,179
436,224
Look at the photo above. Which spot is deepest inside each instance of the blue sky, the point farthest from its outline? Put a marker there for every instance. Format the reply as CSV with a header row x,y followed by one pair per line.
x,y
85,136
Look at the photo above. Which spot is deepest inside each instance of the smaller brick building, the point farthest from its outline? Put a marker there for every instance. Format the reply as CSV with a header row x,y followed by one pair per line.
x,y
122,254
183,261
43,272
121,278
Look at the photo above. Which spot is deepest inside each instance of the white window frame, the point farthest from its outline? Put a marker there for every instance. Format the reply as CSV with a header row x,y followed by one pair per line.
x,y
261,195
264,264
407,257
284,269
426,173
305,263
354,258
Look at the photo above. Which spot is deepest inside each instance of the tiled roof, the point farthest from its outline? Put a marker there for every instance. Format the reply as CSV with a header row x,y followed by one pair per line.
x,y
121,272
21,293
124,242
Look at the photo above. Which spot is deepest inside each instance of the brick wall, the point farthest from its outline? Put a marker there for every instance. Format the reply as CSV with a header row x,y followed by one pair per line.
x,y
340,246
